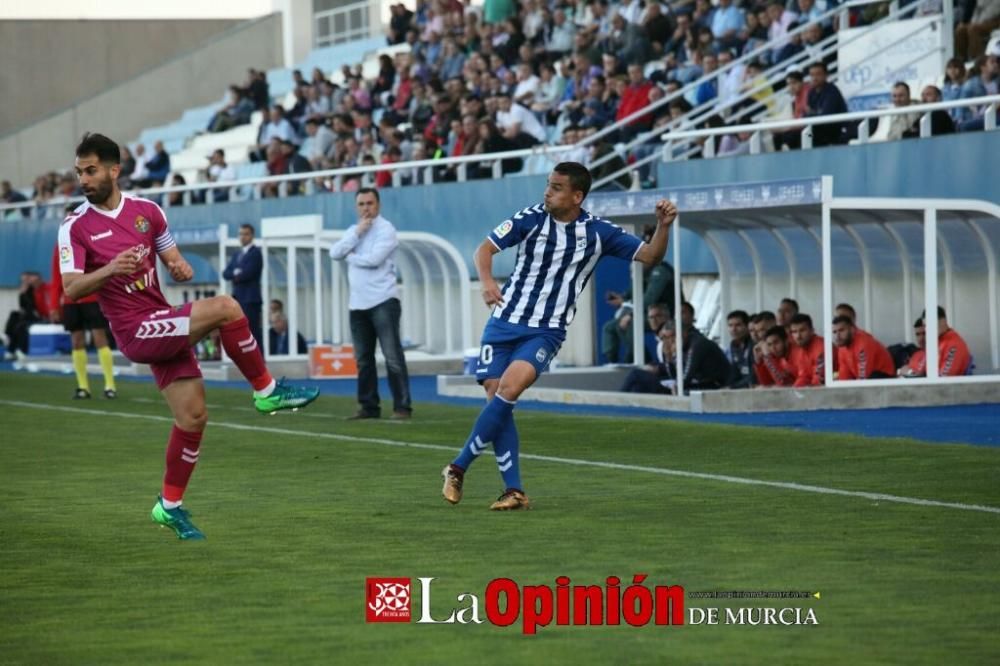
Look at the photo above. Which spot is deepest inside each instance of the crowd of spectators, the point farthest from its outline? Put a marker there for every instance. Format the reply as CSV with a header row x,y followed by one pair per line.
x,y
511,74
782,349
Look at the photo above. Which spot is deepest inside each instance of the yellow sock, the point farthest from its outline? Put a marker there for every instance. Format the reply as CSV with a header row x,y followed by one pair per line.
x,y
80,367
107,366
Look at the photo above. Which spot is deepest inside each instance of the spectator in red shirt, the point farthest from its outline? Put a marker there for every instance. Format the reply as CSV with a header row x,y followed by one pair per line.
x,y
859,354
776,367
954,358
635,97
807,354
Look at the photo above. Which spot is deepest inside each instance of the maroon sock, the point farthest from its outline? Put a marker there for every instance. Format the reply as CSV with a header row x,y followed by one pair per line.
x,y
182,456
241,346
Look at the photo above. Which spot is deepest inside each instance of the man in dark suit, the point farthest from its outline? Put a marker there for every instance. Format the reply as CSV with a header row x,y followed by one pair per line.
x,y
244,271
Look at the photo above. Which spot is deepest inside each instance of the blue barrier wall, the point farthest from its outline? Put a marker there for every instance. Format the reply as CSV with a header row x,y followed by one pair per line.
x,y
955,166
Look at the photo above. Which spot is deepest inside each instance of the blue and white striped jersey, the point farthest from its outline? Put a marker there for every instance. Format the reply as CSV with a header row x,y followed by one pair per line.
x,y
554,262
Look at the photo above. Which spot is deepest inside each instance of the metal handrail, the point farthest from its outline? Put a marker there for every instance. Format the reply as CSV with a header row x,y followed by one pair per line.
x,y
990,101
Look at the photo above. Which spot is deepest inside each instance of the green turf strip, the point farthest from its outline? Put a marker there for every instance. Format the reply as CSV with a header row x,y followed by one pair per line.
x,y
295,525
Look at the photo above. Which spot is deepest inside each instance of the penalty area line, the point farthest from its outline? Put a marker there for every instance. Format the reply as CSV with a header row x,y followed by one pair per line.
x,y
722,478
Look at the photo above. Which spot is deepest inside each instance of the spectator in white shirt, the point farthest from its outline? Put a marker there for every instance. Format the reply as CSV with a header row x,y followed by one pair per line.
x,y
276,127
518,123
527,84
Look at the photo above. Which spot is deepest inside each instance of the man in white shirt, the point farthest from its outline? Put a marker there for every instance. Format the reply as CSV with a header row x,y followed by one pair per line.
x,y
220,172
513,120
368,248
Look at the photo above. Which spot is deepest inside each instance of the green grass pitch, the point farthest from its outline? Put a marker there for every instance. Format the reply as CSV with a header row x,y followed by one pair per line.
x,y
300,508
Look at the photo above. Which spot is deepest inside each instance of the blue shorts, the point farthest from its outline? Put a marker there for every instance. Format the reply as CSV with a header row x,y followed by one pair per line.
x,y
504,343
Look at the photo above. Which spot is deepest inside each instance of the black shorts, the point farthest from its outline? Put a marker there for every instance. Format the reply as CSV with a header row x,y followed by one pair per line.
x,y
83,317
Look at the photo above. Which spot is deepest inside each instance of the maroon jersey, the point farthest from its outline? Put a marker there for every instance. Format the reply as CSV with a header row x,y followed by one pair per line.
x,y
91,238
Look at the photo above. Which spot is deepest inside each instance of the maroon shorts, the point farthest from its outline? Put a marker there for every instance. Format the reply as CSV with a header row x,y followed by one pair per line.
x,y
161,340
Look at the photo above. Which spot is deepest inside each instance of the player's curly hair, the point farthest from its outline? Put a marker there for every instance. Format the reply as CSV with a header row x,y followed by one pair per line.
x,y
107,151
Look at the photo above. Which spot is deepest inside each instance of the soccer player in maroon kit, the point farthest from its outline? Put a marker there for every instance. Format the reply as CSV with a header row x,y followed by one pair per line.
x,y
109,247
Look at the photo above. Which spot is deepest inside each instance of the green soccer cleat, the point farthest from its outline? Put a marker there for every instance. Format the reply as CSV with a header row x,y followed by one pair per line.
x,y
285,396
178,520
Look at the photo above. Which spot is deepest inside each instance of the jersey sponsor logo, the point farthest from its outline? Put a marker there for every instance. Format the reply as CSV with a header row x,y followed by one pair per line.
x,y
141,224
104,234
503,228
388,599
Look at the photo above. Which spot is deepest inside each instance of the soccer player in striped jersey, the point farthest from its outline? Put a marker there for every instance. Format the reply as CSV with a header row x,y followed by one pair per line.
x,y
109,247
558,246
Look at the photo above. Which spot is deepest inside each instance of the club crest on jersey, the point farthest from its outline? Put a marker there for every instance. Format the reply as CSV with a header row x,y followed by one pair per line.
x,y
141,224
503,228
540,355
581,244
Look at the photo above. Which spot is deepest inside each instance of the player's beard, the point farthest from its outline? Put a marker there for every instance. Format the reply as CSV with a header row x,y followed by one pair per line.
x,y
101,193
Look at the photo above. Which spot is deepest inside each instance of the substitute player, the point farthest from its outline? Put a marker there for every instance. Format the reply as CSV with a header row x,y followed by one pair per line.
x,y
78,317
559,244
109,247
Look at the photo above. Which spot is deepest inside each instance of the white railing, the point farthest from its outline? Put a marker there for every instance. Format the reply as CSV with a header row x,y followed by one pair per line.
x,y
358,20
336,177
673,138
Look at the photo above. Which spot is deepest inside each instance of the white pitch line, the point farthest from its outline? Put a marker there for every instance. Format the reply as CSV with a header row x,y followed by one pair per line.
x,y
783,485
